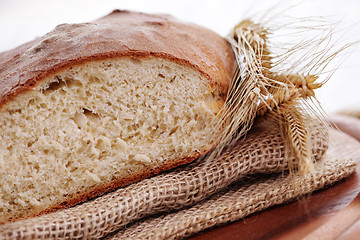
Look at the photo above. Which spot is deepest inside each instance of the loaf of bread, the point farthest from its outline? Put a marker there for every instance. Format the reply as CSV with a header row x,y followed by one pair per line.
x,y
90,107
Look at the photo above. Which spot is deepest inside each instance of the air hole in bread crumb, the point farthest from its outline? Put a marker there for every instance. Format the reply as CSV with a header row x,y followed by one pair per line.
x,y
57,84
15,111
103,143
70,82
36,166
90,114
161,75
32,101
135,60
68,164
105,89
102,155
93,79
173,130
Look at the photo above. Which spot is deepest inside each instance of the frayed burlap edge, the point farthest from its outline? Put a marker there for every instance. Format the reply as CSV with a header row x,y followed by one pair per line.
x,y
242,200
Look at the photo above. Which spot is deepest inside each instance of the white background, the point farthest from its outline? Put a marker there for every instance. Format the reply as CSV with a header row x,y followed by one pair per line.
x,y
23,20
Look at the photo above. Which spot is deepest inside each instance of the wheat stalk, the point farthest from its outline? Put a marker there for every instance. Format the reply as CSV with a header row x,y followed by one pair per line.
x,y
239,110
277,93
266,82
256,90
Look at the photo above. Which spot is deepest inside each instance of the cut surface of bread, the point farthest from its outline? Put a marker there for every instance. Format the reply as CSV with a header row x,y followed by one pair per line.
x,y
74,125
97,123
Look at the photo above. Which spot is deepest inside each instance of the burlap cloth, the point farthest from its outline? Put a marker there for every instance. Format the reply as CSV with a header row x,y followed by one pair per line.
x,y
200,195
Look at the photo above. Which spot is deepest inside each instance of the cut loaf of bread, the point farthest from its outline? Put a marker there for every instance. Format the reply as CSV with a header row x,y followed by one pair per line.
x,y
91,107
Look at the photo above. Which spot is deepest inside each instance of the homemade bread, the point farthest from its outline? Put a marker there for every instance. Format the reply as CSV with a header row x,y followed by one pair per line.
x,y
91,107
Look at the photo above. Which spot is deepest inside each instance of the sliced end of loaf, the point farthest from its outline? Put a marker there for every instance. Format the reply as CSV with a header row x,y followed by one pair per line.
x,y
97,124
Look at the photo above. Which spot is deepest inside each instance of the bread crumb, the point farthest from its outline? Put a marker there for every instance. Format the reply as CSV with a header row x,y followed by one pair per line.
x,y
120,144
93,176
142,158
116,127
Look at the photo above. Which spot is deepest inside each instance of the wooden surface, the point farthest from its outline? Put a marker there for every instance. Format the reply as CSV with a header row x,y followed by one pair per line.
x,y
331,213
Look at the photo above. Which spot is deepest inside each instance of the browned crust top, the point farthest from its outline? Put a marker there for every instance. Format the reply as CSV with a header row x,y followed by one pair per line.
x,y
121,33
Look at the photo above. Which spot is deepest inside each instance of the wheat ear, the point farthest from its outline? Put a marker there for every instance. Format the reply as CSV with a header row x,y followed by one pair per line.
x,y
296,133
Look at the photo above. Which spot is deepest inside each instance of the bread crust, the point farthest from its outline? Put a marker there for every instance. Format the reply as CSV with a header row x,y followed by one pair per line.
x,y
119,34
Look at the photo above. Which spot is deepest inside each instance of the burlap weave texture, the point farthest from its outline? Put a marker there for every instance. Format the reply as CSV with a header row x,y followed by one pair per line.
x,y
242,200
261,151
